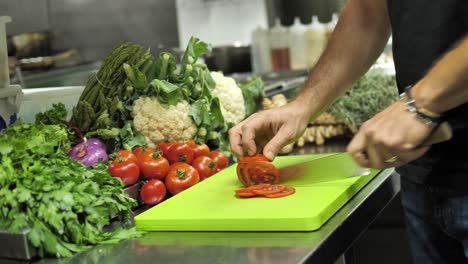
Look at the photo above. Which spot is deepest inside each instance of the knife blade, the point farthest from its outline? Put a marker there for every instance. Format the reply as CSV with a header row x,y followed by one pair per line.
x,y
340,166
336,166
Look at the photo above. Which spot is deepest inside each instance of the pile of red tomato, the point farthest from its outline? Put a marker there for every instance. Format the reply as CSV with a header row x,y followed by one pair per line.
x,y
172,167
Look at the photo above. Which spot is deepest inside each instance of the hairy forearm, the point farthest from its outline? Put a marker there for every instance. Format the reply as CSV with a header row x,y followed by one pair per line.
x,y
359,38
445,86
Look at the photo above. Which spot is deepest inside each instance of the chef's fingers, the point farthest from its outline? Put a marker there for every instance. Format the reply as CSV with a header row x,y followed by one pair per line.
x,y
380,157
250,129
273,147
235,140
357,149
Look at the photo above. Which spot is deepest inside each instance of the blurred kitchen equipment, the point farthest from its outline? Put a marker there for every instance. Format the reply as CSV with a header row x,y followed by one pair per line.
x,y
229,59
45,61
4,69
10,95
31,44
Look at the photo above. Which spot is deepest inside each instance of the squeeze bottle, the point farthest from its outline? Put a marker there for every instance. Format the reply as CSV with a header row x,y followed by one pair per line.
x,y
316,40
298,45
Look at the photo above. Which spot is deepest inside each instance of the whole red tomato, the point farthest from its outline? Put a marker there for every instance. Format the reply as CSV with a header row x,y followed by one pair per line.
x,y
153,192
139,151
153,165
205,166
127,171
180,177
164,147
180,152
220,159
198,149
127,155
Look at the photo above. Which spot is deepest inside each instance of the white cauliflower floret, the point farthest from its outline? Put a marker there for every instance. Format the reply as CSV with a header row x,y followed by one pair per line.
x,y
230,97
159,124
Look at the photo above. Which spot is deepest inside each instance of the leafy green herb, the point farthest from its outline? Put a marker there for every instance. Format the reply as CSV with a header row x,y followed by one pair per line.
x,y
131,139
368,96
63,203
253,92
54,116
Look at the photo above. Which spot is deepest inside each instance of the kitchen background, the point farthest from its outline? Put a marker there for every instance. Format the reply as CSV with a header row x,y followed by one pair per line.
x,y
92,28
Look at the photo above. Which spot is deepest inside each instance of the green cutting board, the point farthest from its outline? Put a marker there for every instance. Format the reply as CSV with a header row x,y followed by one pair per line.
x,y
212,205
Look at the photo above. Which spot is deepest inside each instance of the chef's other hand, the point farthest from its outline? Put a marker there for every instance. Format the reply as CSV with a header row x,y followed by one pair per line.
x,y
269,130
389,139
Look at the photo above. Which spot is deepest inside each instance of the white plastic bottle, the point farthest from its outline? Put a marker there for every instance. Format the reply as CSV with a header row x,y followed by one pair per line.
x,y
279,47
298,45
260,51
316,41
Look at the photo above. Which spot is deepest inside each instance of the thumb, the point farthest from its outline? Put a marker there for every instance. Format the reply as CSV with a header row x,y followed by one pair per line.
x,y
273,147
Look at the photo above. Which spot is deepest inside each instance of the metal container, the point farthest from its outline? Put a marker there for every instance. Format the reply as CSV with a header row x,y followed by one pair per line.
x,y
229,59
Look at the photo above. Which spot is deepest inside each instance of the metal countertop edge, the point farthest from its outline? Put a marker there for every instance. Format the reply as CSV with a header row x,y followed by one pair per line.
x,y
354,218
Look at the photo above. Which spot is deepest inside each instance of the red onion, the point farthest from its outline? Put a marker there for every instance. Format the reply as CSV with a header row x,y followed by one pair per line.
x,y
89,152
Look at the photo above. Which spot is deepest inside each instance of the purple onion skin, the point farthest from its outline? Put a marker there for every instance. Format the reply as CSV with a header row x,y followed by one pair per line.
x,y
96,142
89,153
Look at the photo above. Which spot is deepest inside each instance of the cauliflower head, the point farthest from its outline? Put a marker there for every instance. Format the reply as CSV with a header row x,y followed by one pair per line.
x,y
159,124
230,97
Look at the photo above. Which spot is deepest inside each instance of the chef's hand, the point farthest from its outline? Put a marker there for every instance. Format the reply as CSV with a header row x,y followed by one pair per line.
x,y
389,139
269,129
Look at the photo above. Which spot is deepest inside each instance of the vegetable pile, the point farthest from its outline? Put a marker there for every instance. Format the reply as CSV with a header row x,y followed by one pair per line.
x,y
170,168
63,203
136,100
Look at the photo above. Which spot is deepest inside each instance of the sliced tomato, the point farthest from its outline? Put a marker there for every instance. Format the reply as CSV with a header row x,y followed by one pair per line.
x,y
245,192
287,191
269,190
256,171
259,186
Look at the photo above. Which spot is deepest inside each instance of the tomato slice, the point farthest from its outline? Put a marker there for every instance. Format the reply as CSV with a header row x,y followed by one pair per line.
x,y
287,191
272,189
257,169
245,193
259,186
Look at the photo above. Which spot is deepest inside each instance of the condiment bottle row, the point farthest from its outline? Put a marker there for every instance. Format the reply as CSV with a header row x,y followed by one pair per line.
x,y
295,47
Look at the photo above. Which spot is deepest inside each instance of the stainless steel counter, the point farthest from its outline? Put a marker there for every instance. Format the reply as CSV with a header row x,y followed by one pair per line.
x,y
332,241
